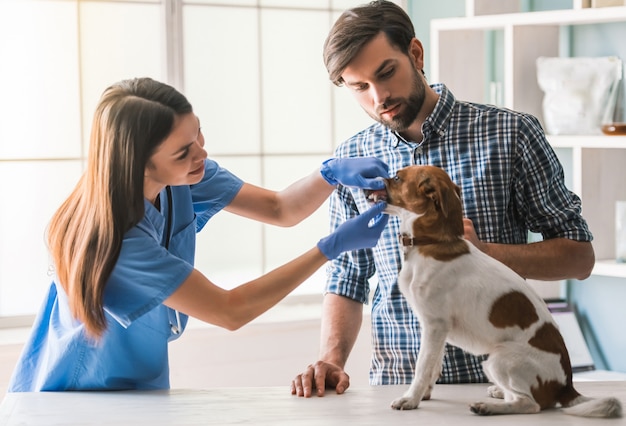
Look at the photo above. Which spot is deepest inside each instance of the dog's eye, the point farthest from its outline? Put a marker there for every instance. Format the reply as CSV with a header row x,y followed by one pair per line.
x,y
396,178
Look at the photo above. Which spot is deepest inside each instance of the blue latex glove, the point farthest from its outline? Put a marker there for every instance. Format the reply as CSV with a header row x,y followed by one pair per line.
x,y
359,172
355,233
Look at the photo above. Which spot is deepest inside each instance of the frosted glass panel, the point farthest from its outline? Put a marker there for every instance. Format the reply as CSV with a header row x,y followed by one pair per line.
x,y
296,93
24,259
247,168
348,4
320,4
229,248
222,78
284,244
40,112
349,117
225,2
133,47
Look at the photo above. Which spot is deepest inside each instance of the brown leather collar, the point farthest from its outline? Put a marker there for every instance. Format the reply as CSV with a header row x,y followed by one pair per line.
x,y
408,241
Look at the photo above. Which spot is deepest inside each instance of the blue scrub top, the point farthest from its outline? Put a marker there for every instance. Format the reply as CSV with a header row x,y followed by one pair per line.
x,y
132,353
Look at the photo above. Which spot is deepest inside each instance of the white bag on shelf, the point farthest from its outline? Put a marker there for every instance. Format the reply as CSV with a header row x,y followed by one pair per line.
x,y
576,92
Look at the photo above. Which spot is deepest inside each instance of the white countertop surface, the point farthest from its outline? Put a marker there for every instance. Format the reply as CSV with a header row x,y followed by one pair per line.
x,y
276,406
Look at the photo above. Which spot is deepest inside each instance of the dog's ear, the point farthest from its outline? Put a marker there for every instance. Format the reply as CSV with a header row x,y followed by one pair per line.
x,y
437,193
449,195
442,194
457,189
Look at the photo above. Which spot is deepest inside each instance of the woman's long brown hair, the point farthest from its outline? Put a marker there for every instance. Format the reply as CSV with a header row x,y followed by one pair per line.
x,y
85,234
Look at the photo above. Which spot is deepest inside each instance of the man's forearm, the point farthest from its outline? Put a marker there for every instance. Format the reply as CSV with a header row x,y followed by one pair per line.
x,y
341,322
547,260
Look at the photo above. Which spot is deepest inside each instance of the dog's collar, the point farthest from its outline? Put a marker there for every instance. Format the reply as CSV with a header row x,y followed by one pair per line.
x,y
408,241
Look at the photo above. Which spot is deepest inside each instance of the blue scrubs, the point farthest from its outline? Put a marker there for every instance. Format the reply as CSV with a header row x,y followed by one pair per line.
x,y
132,353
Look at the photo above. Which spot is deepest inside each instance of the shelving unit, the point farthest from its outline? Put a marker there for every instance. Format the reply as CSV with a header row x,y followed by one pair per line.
x,y
587,141
459,52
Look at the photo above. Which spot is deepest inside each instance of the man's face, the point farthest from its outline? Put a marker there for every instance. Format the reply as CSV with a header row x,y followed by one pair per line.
x,y
386,83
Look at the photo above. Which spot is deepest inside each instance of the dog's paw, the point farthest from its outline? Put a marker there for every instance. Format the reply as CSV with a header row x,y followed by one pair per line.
x,y
481,408
495,392
405,403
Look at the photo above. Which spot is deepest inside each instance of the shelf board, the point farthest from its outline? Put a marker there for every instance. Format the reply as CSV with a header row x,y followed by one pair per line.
x,y
551,17
609,268
587,141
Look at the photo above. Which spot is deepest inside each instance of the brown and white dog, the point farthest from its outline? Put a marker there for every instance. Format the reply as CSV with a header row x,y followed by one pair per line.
x,y
467,298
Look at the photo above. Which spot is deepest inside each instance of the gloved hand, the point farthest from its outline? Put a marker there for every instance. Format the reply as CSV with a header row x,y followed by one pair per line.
x,y
355,233
360,172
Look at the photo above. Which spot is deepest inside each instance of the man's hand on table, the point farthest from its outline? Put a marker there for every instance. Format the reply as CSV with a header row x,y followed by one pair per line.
x,y
320,376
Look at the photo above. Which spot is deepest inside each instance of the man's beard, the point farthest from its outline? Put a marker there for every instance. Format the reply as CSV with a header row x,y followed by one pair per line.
x,y
412,107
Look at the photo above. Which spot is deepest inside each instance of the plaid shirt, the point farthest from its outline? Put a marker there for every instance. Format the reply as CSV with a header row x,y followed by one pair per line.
x,y
511,183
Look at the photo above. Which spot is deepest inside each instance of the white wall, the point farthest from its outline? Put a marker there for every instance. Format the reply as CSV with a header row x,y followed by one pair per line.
x,y
57,57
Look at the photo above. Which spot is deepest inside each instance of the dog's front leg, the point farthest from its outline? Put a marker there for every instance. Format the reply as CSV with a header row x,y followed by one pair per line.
x,y
428,366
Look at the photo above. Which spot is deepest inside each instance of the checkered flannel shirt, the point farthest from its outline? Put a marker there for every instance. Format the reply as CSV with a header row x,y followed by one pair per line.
x,y
511,183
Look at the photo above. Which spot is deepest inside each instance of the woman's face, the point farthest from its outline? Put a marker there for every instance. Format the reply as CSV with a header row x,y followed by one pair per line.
x,y
179,160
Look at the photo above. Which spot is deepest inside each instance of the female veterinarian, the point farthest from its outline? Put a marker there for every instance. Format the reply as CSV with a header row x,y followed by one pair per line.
x,y
123,245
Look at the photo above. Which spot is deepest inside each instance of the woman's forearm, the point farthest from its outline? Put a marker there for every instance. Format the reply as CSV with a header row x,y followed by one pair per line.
x,y
231,309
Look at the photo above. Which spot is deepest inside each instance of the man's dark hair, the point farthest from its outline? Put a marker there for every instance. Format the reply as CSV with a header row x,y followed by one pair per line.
x,y
359,25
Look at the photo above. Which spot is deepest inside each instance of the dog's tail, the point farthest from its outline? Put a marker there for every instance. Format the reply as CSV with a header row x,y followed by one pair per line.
x,y
583,406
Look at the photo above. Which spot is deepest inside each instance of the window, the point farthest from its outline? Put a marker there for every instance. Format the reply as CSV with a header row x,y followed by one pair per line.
x,y
253,71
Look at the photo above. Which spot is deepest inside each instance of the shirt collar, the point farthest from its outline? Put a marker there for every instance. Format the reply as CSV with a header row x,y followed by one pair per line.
x,y
440,117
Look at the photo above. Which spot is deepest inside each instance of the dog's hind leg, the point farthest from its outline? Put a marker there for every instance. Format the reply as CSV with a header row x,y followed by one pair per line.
x,y
519,404
513,381
495,392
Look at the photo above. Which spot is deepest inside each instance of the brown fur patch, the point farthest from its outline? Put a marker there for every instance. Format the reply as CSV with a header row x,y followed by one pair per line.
x,y
547,338
445,252
513,309
546,394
